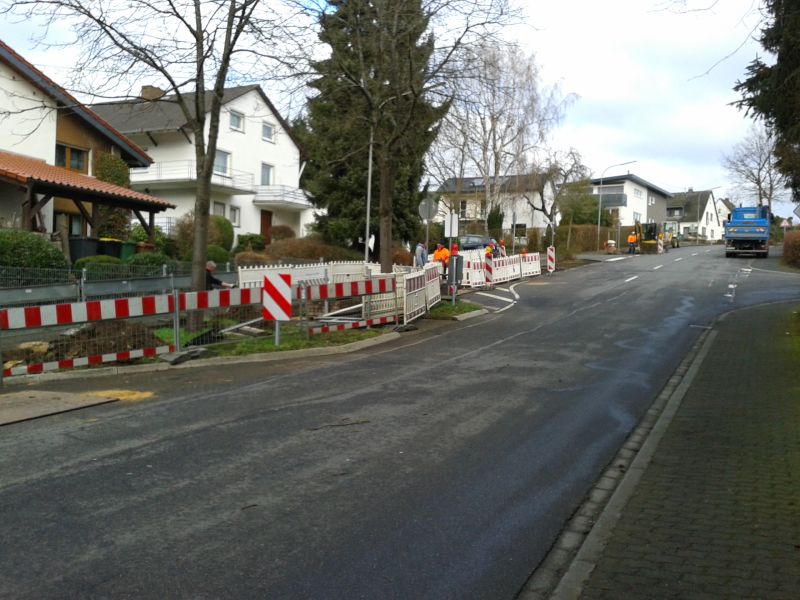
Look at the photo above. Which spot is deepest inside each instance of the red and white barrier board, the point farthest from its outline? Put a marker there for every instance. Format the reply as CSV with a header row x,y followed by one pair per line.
x,y
354,325
347,289
551,259
86,361
276,297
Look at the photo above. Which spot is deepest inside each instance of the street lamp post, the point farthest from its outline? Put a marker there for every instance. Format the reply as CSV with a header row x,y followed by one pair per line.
x,y
600,195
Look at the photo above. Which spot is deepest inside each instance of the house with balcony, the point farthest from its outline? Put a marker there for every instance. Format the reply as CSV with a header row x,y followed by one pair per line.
x,y
515,195
631,199
696,214
49,148
257,165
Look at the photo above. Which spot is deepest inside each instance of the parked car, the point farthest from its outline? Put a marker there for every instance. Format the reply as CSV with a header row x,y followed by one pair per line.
x,y
475,242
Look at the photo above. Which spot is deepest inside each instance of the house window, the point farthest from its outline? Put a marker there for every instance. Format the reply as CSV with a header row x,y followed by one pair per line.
x,y
219,209
267,132
637,217
233,216
483,210
266,174
462,210
221,162
237,121
637,192
73,159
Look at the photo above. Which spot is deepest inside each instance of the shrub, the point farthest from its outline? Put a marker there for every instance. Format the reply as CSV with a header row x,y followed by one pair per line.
x,y
225,229
97,267
160,239
184,235
27,249
401,256
791,248
309,249
218,255
249,242
281,232
151,259
249,258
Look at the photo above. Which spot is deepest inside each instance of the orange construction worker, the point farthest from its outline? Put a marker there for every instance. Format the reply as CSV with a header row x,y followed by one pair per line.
x,y
501,246
442,256
632,242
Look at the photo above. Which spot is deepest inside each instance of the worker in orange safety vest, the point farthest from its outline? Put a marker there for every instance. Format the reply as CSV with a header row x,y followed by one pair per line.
x,y
632,242
442,256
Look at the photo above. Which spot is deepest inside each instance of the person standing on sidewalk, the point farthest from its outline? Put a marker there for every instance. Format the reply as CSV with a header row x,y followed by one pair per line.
x,y
632,242
420,255
442,256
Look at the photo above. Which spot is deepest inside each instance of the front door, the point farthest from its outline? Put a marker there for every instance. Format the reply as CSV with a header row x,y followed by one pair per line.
x,y
266,225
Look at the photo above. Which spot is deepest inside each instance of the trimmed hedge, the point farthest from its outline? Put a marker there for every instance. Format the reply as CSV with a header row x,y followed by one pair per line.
x,y
26,249
791,248
101,259
151,259
249,242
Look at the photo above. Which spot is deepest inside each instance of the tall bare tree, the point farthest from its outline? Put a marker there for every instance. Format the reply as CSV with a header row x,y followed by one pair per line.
x,y
753,165
185,47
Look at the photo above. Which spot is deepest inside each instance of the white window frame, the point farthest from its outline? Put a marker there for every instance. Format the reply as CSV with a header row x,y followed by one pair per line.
x,y
462,209
271,174
227,155
270,138
235,215
240,116
218,205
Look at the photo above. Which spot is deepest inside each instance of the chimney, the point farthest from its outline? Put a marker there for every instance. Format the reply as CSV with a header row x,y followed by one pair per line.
x,y
151,92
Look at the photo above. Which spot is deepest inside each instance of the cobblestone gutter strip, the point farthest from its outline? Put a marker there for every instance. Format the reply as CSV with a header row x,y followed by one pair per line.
x,y
569,563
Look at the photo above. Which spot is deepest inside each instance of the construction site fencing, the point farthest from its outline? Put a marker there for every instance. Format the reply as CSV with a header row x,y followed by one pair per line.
x,y
30,287
40,339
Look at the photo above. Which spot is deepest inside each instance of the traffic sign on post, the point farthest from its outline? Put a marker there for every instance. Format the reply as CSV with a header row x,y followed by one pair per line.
x,y
276,297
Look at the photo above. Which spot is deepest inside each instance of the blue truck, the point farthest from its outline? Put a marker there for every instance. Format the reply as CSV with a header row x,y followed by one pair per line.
x,y
747,231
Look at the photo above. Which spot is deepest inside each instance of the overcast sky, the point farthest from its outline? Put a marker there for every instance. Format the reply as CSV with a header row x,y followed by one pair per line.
x,y
650,85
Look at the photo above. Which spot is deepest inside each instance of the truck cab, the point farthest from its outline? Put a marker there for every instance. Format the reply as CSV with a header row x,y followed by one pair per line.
x,y
747,232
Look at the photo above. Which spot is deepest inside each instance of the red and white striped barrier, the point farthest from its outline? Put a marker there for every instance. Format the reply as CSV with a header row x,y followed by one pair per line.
x,y
74,313
531,265
348,289
488,270
551,259
86,361
354,325
276,297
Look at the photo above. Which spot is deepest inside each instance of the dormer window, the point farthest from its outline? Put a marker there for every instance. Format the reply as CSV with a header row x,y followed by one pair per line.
x,y
237,121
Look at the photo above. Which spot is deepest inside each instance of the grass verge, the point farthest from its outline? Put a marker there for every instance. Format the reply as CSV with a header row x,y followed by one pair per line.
x,y
447,310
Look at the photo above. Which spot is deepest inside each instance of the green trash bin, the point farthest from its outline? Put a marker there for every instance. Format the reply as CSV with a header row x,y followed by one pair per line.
x,y
128,250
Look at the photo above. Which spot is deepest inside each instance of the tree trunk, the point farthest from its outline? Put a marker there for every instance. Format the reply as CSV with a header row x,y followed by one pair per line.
x,y
386,168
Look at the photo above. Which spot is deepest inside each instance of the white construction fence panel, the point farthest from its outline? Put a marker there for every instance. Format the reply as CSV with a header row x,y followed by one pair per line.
x,y
531,265
433,286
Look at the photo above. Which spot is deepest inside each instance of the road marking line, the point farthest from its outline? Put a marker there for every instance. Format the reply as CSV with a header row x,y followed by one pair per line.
x,y
616,259
677,259
709,250
657,268
631,278
695,254
494,296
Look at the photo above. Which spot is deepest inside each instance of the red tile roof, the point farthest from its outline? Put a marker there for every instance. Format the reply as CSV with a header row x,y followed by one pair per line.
x,y
26,170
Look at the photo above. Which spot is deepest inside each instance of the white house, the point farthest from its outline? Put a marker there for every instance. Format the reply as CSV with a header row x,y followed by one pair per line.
x,y
467,196
697,213
631,199
257,165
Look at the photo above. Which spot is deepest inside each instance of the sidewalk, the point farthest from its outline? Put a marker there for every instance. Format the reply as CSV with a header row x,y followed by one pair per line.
x,y
716,513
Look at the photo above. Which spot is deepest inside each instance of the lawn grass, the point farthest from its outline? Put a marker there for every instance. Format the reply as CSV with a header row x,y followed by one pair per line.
x,y
447,310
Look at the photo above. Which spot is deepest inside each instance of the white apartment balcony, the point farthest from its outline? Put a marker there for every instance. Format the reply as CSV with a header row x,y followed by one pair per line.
x,y
282,197
179,174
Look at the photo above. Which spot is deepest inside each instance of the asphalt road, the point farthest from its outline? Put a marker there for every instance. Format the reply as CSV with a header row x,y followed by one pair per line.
x,y
442,465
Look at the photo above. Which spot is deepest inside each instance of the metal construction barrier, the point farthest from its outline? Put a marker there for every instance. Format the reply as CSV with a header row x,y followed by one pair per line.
x,y
64,336
473,272
530,264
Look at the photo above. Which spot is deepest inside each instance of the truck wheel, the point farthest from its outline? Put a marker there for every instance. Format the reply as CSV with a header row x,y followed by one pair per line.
x,y
729,254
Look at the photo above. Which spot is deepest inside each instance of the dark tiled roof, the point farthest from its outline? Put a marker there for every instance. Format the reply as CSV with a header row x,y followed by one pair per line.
x,y
27,170
153,116
467,185
131,151
692,203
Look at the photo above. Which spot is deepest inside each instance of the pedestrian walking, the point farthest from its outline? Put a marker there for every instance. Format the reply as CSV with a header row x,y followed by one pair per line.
x,y
501,247
420,255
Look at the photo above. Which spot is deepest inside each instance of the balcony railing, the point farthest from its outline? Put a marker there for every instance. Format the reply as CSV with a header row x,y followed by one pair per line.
x,y
281,195
179,171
